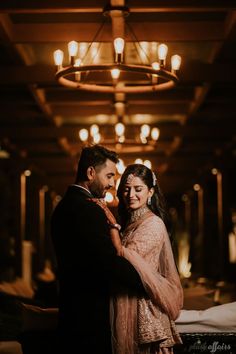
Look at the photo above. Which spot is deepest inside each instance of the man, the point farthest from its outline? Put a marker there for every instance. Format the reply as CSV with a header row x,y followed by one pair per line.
x,y
87,260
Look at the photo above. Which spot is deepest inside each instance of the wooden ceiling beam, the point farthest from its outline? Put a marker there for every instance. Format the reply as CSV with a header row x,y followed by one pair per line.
x,y
146,31
75,109
50,6
177,94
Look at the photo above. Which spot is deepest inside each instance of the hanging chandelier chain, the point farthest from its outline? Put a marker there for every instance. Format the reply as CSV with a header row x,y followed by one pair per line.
x,y
94,38
137,44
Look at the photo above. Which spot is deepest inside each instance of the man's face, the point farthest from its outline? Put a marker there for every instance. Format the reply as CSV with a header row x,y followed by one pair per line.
x,y
104,179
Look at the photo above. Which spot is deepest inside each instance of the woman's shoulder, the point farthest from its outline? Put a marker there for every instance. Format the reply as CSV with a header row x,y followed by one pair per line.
x,y
155,222
155,219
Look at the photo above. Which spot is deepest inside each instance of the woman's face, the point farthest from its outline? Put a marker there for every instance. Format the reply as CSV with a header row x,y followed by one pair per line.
x,y
135,193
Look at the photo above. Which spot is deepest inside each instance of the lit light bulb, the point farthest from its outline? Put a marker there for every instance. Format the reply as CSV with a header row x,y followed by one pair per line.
x,y
139,161
83,134
97,138
155,65
148,164
145,130
115,73
78,62
162,51
119,129
143,139
119,45
27,173
72,48
58,57
155,133
109,197
94,129
175,62
214,171
121,139
120,166
197,187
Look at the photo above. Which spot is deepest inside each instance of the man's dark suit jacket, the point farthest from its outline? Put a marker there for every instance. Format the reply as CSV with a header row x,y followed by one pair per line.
x,y
87,265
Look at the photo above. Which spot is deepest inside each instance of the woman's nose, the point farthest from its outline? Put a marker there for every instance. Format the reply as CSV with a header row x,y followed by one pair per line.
x,y
131,193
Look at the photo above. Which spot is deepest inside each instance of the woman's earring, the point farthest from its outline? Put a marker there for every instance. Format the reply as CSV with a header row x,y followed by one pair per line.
x,y
149,201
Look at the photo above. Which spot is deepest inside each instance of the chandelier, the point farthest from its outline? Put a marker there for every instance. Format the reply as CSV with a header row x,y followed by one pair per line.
x,y
117,76
147,135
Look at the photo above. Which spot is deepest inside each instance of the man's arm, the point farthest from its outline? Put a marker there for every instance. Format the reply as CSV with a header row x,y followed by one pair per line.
x,y
101,247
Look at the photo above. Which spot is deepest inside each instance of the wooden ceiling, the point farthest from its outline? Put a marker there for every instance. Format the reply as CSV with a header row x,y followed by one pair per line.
x,y
40,120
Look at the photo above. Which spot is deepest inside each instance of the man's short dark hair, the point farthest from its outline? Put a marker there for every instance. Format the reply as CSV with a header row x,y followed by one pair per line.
x,y
95,155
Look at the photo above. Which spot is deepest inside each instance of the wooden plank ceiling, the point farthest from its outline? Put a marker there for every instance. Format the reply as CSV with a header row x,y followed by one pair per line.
x,y
40,120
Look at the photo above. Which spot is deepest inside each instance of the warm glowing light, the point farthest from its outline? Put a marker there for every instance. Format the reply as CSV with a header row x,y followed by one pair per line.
x,y
185,198
232,247
145,130
155,133
119,45
109,197
148,163
143,139
162,51
115,73
156,65
214,171
197,187
58,57
83,134
119,129
72,48
78,62
97,138
94,129
139,161
184,265
27,173
175,62
117,183
120,166
121,139
83,47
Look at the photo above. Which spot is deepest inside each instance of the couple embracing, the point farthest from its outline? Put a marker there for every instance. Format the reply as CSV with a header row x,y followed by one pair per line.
x,y
119,289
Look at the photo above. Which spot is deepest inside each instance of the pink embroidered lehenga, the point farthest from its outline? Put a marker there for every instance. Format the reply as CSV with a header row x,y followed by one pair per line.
x,y
146,325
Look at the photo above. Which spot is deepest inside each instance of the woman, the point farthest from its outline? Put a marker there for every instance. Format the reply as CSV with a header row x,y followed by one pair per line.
x,y
145,325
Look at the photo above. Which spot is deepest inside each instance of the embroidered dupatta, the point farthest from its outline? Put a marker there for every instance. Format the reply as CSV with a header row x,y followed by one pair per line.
x,y
146,325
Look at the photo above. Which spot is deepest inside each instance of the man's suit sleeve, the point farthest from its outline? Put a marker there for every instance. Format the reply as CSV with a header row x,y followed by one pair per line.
x,y
101,247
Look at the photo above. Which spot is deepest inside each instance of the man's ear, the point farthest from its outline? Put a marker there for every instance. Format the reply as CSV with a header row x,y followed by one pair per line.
x,y
91,173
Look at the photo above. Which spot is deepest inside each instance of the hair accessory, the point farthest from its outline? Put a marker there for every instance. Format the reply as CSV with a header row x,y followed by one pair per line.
x,y
130,178
154,179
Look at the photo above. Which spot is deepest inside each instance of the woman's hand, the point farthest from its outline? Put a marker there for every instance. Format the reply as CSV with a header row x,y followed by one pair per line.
x,y
109,215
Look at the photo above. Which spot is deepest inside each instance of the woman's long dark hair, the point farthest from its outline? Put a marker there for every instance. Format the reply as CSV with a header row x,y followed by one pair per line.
x,y
158,203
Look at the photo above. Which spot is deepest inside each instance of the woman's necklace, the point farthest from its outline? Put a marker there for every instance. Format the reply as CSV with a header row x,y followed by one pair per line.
x,y
138,213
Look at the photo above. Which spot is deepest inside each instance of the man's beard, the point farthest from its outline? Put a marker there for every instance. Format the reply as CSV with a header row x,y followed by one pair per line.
x,y
97,190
